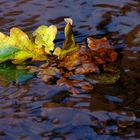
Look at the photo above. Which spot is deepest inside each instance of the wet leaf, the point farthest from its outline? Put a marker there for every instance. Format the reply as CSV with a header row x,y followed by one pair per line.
x,y
85,55
107,55
69,41
85,85
73,84
49,73
44,36
69,44
7,53
107,78
87,69
95,44
57,51
18,47
103,51
71,60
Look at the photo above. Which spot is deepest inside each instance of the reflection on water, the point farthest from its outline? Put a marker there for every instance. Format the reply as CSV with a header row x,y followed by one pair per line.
x,y
39,111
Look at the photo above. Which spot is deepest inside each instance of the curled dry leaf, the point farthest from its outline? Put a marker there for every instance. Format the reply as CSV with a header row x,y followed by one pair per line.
x,y
108,55
103,51
95,44
69,44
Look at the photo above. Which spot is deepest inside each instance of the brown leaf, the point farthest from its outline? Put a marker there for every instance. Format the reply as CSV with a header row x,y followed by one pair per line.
x,y
85,85
70,61
108,55
47,74
85,55
87,69
73,84
103,51
95,44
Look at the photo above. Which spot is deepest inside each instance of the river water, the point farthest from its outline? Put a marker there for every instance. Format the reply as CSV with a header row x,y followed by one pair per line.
x,y
37,111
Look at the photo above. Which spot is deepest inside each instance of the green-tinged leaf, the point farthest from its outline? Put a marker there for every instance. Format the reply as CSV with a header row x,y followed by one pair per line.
x,y
27,48
45,36
60,53
69,41
18,47
108,79
104,78
7,53
6,41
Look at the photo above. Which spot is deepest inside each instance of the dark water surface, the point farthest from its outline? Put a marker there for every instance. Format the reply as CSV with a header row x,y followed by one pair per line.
x,y
37,111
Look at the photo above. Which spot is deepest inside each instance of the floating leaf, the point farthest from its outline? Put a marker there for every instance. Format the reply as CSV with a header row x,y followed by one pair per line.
x,y
95,44
107,55
27,48
18,47
71,60
57,51
92,63
84,85
103,51
85,55
69,41
7,53
69,44
44,36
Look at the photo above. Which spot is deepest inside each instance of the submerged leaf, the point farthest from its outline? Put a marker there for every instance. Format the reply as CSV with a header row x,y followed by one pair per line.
x,y
44,36
107,78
